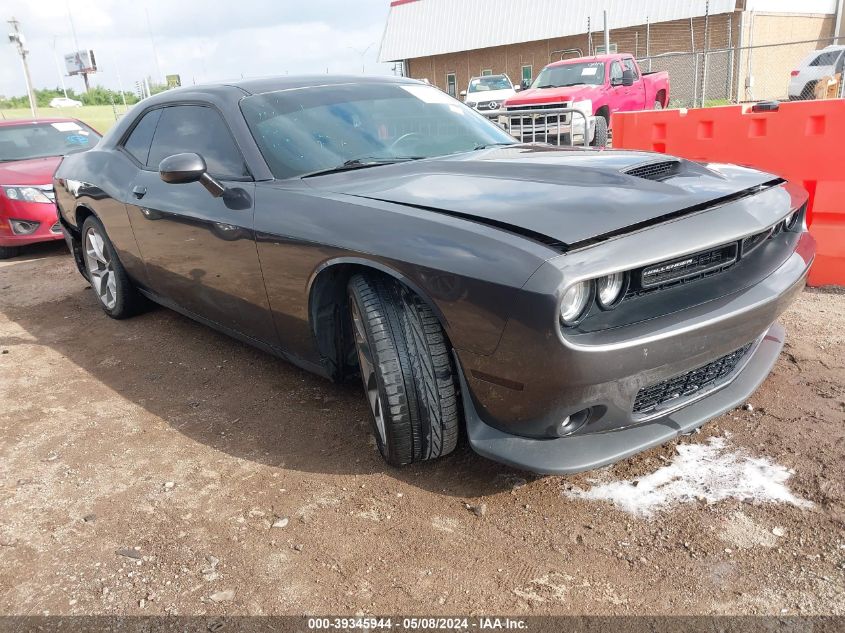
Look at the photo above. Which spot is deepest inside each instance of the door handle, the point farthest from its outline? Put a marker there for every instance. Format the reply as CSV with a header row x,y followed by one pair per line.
x,y
139,192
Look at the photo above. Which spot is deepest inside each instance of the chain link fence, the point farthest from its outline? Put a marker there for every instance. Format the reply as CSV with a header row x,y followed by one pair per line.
x,y
810,69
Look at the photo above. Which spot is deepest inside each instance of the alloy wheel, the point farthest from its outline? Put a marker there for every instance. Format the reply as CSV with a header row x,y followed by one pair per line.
x,y
100,268
368,372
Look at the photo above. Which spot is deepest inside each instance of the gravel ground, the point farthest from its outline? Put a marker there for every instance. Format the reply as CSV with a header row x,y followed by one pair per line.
x,y
154,466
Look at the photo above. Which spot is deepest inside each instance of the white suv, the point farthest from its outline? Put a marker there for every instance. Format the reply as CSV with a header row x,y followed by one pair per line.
x,y
487,94
817,65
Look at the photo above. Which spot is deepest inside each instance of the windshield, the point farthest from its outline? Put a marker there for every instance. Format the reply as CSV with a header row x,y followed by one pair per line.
x,y
590,73
319,128
491,82
38,140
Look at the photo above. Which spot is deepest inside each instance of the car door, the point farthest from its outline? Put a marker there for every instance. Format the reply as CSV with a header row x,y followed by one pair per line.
x,y
199,251
618,92
635,97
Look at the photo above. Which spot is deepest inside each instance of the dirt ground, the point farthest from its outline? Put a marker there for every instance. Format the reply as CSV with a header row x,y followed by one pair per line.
x,y
144,464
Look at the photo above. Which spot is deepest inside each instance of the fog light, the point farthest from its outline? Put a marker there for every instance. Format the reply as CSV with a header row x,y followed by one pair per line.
x,y
23,227
573,423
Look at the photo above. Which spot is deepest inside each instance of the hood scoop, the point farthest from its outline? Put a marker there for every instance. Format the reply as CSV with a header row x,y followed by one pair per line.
x,y
660,170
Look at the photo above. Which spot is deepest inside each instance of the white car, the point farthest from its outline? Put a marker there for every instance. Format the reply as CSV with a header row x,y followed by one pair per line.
x,y
487,93
817,65
65,102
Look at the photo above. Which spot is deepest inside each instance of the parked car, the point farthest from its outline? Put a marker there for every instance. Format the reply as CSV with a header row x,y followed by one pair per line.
x,y
818,65
30,150
488,92
597,86
65,102
567,307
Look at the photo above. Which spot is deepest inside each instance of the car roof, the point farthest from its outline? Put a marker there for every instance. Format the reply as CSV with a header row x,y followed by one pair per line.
x,y
20,122
595,58
263,85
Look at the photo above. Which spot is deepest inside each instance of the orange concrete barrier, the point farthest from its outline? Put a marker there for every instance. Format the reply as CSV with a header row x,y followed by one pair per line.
x,y
802,141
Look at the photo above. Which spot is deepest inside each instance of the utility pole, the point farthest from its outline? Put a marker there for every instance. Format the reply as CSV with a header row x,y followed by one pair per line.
x,y
160,77
16,38
606,35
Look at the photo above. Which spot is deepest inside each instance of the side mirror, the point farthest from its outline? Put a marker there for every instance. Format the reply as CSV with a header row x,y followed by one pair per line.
x,y
627,78
463,93
180,169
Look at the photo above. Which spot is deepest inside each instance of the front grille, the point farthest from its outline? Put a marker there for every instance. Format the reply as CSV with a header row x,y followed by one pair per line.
x,y
656,171
489,105
683,268
753,241
542,106
688,384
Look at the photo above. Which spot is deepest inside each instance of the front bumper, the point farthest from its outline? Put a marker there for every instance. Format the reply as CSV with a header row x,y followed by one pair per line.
x,y
579,453
518,396
45,214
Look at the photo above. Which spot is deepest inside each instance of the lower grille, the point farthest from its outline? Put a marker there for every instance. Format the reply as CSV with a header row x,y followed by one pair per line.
x,y
688,384
56,228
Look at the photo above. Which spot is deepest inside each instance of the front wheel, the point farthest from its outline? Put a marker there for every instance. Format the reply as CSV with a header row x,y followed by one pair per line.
x,y
8,251
115,292
600,136
407,371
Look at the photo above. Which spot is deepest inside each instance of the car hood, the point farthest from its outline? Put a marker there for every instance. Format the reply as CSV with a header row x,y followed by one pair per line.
x,y
36,171
490,95
564,197
538,96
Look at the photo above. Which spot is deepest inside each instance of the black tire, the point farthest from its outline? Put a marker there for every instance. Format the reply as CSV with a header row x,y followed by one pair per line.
x,y
9,251
600,136
412,371
127,301
809,91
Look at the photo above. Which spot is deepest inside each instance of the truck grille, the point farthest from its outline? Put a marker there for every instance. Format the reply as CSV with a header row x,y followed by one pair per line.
x,y
688,384
683,268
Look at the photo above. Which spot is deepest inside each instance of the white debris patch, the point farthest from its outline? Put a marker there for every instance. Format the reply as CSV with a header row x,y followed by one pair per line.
x,y
709,472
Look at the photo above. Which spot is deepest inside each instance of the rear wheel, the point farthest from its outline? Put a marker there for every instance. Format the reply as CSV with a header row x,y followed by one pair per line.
x,y
600,136
8,251
406,369
115,292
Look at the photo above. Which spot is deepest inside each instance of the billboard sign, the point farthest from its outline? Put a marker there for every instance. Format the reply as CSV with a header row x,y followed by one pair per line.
x,y
173,81
80,62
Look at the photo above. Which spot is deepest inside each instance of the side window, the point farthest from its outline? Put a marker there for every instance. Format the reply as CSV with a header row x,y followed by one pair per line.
x,y
138,143
630,65
615,72
825,59
198,129
840,64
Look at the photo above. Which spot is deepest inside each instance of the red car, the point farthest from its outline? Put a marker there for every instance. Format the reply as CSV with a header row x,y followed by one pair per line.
x,y
30,151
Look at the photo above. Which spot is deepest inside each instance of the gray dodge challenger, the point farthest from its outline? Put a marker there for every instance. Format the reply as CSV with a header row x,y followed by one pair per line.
x,y
563,308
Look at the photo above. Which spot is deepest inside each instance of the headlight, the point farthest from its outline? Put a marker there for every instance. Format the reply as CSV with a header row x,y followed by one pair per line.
x,y
27,194
792,221
575,302
471,104
609,290
585,106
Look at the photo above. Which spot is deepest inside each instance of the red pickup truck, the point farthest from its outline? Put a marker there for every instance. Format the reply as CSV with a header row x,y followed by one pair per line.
x,y
597,86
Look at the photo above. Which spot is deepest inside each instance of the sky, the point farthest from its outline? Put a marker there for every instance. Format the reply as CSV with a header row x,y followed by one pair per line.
x,y
200,40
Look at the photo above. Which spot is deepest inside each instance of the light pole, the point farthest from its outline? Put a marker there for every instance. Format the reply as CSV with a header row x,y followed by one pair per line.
x,y
59,68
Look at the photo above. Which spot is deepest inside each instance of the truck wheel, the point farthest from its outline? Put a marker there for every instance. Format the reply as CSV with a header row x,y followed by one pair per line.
x,y
407,371
600,136
8,251
117,295
658,105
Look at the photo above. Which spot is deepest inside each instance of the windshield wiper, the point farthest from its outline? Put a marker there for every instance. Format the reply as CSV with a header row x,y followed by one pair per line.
x,y
362,163
489,145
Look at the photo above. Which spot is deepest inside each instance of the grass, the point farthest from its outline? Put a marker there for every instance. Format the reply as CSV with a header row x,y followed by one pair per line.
x,y
101,118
